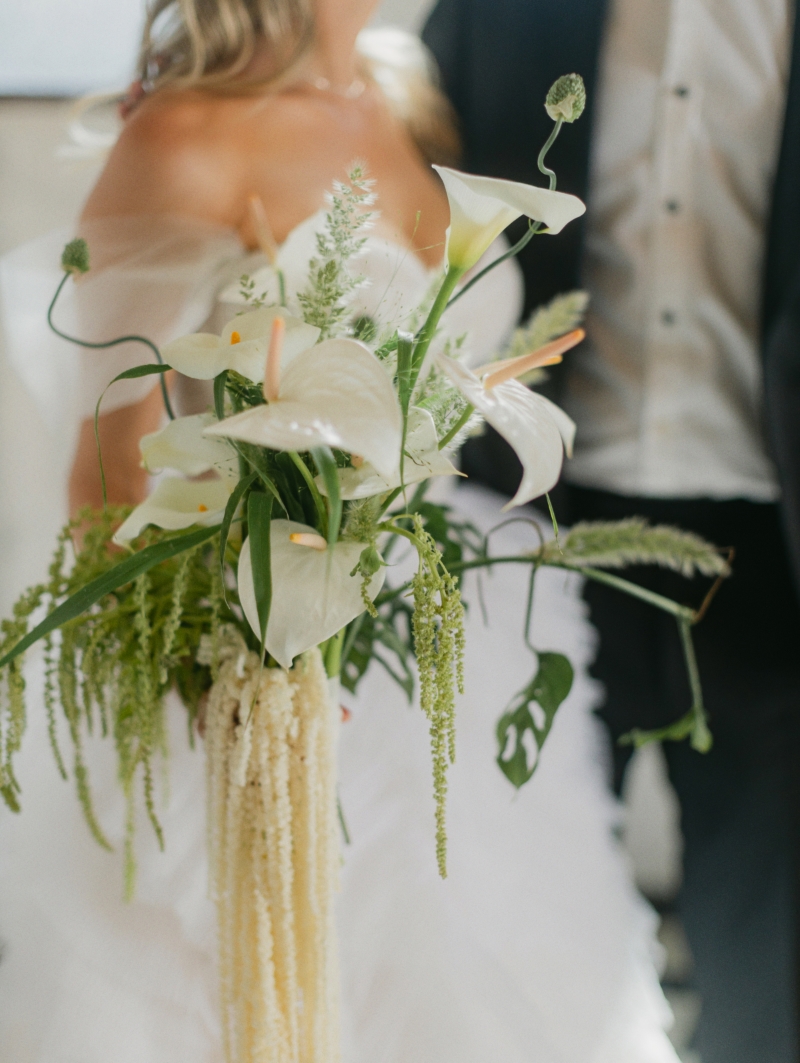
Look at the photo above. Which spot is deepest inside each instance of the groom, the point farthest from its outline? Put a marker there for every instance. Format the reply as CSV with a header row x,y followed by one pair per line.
x,y
687,399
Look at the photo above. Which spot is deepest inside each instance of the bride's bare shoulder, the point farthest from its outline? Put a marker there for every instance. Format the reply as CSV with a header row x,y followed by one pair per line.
x,y
186,152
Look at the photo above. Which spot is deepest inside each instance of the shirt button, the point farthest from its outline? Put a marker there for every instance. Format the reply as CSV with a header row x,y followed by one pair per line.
x,y
681,90
673,206
668,317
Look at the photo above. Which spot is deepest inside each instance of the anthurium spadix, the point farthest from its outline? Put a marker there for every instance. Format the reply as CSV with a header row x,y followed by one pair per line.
x,y
181,445
313,592
536,428
422,459
242,346
176,504
482,207
335,394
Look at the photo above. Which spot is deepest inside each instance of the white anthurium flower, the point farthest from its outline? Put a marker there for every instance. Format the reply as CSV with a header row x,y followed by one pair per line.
x,y
335,394
242,346
176,504
313,593
181,445
482,207
536,428
423,459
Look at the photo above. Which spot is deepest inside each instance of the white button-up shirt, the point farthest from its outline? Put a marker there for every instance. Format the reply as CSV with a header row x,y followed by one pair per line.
x,y
667,393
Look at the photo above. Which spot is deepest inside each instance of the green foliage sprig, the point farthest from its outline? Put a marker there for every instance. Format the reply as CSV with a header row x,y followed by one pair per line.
x,y
112,667
619,544
324,301
438,627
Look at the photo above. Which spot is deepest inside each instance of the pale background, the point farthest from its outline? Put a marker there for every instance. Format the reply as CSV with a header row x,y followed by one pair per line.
x,y
51,50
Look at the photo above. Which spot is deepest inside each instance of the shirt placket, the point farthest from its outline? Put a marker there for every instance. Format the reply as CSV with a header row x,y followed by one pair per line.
x,y
671,258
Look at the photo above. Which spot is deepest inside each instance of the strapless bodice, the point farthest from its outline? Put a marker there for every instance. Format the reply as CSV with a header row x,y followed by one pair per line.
x,y
164,277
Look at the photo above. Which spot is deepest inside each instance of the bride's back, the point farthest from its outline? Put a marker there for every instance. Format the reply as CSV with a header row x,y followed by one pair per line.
x,y
274,99
202,143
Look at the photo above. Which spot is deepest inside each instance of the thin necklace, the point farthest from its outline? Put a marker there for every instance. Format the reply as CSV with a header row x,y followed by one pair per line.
x,y
351,92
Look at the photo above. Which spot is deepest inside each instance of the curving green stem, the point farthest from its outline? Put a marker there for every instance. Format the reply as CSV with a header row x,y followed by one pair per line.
x,y
394,529
453,432
682,613
700,735
543,154
109,343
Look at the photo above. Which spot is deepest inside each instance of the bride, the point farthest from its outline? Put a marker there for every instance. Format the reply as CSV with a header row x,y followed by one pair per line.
x,y
536,949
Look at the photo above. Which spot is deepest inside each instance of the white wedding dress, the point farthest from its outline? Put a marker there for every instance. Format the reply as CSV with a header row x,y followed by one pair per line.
x,y
536,949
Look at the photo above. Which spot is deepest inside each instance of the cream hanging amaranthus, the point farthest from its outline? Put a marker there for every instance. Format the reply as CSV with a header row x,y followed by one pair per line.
x,y
274,856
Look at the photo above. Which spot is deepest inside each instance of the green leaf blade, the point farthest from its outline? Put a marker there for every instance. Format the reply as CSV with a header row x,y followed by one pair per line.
x,y
405,387
140,371
125,572
230,512
259,521
219,394
326,464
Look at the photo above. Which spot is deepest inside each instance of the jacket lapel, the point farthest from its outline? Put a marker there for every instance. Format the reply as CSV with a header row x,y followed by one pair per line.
x,y
782,271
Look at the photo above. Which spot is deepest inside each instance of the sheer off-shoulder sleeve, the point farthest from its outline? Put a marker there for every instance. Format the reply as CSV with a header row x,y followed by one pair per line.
x,y
155,276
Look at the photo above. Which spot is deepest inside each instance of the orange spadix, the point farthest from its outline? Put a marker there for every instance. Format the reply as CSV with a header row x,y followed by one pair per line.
x,y
272,374
311,539
550,354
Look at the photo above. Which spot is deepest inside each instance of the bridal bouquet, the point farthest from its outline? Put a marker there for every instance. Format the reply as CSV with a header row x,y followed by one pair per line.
x,y
255,580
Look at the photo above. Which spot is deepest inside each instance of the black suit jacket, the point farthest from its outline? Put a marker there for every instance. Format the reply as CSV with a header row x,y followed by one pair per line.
x,y
498,58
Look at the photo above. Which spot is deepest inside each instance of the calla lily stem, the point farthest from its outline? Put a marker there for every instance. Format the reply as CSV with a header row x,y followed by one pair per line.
x,y
428,330
533,229
453,432
332,654
109,343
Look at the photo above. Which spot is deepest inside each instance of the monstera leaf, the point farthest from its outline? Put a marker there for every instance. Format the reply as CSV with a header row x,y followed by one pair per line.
x,y
532,712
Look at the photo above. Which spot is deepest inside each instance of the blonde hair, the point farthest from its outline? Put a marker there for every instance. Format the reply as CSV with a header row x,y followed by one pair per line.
x,y
208,44
190,43
407,74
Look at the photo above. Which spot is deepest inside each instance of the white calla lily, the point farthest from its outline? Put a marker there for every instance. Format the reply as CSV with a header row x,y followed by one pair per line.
x,y
422,460
313,593
181,445
482,207
536,428
336,394
242,346
176,504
